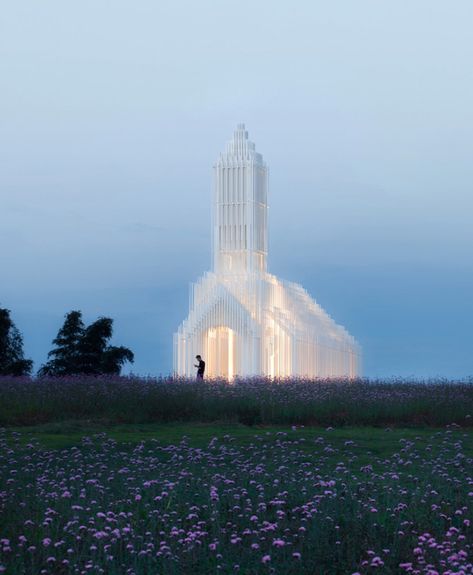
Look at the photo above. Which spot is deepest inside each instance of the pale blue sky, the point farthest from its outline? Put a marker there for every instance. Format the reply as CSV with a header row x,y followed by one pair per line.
x,y
112,114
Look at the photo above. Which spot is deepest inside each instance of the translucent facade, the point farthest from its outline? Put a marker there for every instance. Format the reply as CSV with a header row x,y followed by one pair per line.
x,y
242,320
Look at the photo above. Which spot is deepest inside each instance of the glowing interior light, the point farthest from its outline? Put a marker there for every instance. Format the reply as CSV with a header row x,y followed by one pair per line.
x,y
243,320
231,366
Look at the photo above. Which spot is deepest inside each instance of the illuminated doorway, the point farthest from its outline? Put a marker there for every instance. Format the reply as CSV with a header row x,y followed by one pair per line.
x,y
220,352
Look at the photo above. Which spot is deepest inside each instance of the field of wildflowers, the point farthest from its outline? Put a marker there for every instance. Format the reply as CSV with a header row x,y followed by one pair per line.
x,y
25,401
256,477
298,501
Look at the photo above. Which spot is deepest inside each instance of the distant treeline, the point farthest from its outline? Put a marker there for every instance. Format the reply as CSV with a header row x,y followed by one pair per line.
x,y
77,349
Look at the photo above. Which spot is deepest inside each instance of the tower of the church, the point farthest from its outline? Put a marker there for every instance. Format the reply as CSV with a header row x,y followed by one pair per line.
x,y
240,226
243,320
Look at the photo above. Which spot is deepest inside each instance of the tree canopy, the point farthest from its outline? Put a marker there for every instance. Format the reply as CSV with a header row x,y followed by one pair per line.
x,y
12,360
85,350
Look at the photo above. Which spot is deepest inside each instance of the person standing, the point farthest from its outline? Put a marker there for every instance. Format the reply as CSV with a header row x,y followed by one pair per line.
x,y
200,367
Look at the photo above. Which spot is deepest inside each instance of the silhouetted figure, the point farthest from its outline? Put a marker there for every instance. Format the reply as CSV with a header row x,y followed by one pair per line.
x,y
200,367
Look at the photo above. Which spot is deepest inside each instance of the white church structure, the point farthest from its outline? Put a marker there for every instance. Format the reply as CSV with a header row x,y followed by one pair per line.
x,y
244,321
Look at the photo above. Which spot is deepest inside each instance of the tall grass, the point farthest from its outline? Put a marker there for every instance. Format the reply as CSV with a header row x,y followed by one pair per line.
x,y
28,401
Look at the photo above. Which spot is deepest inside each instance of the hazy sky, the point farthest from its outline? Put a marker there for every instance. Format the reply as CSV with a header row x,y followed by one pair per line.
x,y
113,113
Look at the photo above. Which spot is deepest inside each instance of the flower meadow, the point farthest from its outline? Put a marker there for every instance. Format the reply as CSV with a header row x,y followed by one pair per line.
x,y
284,502
28,401
359,477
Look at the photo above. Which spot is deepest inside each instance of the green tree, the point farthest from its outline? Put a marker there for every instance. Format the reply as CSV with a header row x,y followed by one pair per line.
x,y
12,360
85,350
94,343
113,359
95,353
65,358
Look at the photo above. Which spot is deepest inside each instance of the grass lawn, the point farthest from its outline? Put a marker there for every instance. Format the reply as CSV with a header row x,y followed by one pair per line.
x,y
368,441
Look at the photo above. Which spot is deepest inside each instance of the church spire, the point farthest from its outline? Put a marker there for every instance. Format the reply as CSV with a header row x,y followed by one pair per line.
x,y
240,208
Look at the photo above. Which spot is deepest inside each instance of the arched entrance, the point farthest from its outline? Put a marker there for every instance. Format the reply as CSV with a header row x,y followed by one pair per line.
x,y
221,353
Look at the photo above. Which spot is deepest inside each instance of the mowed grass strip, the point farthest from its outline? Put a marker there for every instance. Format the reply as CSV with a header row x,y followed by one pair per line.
x,y
368,441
